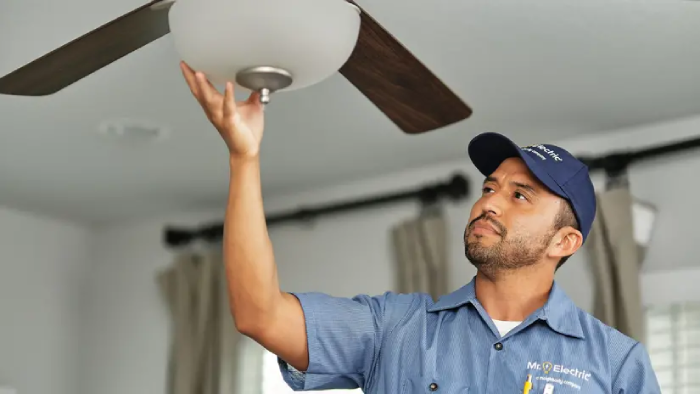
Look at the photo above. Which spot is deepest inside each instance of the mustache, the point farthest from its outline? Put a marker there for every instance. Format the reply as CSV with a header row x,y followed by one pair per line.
x,y
485,217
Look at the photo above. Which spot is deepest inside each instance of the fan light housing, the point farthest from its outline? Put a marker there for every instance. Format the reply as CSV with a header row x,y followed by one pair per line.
x,y
265,45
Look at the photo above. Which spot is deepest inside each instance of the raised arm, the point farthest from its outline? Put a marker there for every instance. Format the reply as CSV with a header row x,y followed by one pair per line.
x,y
259,308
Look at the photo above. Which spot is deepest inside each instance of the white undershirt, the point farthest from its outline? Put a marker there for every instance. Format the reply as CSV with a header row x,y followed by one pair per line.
x,y
505,326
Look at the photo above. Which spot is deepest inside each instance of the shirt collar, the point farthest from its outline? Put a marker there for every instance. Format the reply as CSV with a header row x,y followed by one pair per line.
x,y
560,312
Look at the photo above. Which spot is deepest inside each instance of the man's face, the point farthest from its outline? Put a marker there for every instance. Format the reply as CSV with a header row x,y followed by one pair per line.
x,y
512,224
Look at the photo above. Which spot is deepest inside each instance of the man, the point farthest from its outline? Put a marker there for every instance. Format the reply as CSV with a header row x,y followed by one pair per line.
x,y
511,329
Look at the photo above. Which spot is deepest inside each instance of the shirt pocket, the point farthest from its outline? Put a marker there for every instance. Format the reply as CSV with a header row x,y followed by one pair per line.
x,y
426,385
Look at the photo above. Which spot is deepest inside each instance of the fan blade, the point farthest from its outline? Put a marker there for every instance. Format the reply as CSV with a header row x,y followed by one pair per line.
x,y
398,83
89,53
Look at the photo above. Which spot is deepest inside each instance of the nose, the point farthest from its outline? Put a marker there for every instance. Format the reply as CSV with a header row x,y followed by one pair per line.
x,y
493,204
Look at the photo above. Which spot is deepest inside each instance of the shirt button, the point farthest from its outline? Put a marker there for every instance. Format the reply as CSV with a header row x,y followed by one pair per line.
x,y
433,387
498,346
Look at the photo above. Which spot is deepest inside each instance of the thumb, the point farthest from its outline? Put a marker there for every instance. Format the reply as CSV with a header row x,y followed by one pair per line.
x,y
229,110
254,98
254,101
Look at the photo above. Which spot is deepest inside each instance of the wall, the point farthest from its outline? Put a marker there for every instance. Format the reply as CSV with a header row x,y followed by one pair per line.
x,y
125,339
126,327
41,272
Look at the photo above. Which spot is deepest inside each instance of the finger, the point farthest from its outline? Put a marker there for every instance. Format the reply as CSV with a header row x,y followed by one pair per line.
x,y
190,78
186,68
254,98
229,102
206,91
208,84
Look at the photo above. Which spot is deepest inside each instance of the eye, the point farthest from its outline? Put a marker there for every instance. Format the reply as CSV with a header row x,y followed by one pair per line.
x,y
520,196
486,189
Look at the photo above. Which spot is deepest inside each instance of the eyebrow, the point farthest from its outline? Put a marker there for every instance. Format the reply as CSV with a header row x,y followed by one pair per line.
x,y
521,185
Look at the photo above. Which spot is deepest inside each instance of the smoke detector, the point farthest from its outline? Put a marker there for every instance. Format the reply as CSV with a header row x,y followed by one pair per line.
x,y
134,131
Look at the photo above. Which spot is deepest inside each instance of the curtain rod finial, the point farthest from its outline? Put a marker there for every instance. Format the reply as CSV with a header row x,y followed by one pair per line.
x,y
458,187
176,237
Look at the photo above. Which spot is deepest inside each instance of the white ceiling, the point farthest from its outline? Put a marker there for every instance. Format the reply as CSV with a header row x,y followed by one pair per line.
x,y
537,70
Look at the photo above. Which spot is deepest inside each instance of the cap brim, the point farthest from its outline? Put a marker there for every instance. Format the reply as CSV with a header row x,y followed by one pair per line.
x,y
487,151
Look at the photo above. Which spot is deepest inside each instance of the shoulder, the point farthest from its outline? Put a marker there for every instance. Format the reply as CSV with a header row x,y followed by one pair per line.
x,y
389,308
628,361
396,307
595,330
620,348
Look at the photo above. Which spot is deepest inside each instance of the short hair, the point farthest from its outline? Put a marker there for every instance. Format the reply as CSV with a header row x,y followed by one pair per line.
x,y
565,218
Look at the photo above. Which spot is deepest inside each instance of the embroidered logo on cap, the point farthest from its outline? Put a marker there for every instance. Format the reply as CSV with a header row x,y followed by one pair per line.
x,y
548,151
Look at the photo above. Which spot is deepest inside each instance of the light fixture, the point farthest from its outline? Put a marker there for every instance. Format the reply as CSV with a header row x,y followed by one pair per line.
x,y
265,45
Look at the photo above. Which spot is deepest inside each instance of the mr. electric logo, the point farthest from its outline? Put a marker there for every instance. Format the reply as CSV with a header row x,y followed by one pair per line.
x,y
544,149
548,368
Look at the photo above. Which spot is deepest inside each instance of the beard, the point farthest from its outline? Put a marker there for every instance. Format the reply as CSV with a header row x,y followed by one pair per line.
x,y
510,252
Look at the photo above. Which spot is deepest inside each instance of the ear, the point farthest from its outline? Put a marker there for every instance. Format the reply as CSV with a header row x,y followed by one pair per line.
x,y
565,243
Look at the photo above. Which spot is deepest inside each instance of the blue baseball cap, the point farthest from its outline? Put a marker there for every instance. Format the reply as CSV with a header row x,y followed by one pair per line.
x,y
559,170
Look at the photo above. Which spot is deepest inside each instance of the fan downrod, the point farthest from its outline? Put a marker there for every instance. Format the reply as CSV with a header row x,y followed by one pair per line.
x,y
264,80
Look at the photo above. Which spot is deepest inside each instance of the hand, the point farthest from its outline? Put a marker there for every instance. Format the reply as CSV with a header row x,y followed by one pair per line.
x,y
239,124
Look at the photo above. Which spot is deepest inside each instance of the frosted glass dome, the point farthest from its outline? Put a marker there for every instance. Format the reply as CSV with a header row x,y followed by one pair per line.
x,y
311,39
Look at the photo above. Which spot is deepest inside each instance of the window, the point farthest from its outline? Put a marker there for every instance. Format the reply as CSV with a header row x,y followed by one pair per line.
x,y
673,342
274,384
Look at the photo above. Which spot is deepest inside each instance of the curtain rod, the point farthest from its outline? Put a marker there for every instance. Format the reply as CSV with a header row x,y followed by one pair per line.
x,y
617,162
455,189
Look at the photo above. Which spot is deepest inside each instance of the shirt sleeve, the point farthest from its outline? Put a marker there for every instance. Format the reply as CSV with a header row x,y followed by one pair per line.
x,y
344,336
636,375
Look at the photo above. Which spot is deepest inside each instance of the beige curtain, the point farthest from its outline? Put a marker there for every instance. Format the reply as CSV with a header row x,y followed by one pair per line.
x,y
202,358
616,260
420,252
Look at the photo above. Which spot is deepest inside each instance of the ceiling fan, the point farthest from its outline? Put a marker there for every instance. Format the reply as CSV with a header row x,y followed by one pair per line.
x,y
379,66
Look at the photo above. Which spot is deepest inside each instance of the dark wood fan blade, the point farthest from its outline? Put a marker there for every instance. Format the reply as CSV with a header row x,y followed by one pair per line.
x,y
89,53
397,82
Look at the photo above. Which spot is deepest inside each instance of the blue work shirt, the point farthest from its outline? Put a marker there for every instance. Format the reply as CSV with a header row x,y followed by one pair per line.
x,y
406,344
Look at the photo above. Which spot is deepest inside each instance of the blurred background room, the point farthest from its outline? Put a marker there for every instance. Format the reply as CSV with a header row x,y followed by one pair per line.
x,y
112,191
